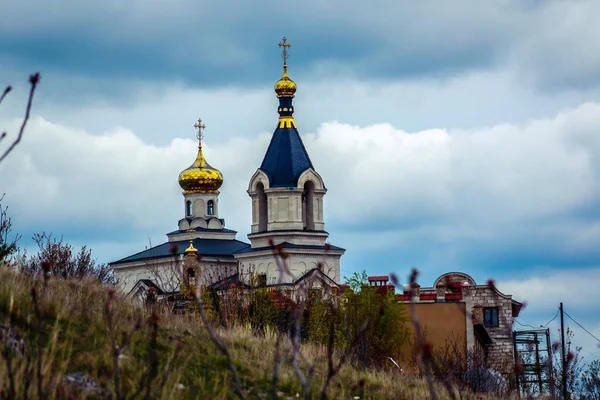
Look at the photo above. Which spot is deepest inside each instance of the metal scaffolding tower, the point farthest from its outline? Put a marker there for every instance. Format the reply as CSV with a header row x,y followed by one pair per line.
x,y
533,356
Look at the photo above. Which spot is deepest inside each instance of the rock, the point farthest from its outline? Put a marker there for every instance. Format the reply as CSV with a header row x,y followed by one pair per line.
x,y
12,339
87,385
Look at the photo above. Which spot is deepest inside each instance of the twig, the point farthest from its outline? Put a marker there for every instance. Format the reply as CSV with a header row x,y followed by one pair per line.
x,y
422,349
108,315
33,80
39,328
215,339
116,348
295,351
152,356
7,353
6,90
276,365
331,369
167,371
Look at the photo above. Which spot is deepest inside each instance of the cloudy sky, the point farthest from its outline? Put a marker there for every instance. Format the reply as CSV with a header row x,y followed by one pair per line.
x,y
458,135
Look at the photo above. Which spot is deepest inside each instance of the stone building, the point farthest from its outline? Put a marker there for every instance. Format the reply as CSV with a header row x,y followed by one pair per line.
x,y
479,318
286,194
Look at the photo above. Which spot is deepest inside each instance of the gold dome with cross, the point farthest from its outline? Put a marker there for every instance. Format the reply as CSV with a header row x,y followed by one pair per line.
x,y
285,87
200,177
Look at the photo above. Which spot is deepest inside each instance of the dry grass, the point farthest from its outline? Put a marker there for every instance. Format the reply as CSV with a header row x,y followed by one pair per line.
x,y
182,364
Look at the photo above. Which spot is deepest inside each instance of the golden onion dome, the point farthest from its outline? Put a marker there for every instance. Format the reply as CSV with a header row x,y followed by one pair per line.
x,y
200,177
191,250
285,87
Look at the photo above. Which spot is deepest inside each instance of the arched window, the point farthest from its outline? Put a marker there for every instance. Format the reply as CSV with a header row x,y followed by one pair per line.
x,y
262,207
188,208
210,208
308,212
191,274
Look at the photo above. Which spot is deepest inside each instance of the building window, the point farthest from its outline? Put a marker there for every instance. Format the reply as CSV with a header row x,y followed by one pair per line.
x,y
261,196
308,200
490,316
188,208
210,208
262,280
191,272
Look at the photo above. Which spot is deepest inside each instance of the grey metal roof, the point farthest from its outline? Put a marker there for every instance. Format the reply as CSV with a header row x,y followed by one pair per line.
x,y
205,247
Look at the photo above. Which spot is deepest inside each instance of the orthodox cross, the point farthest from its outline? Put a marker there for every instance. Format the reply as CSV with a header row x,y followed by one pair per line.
x,y
284,54
200,126
191,230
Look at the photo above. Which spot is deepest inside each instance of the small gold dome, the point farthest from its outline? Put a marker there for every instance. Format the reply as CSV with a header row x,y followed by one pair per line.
x,y
191,250
200,177
285,87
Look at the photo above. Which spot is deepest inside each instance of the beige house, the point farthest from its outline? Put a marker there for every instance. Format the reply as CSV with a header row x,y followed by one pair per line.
x,y
478,318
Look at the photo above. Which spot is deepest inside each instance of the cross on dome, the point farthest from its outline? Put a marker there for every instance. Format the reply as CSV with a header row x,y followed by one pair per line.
x,y
284,53
200,126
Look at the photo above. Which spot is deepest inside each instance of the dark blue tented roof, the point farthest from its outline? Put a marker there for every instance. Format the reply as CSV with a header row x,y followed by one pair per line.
x,y
205,247
286,158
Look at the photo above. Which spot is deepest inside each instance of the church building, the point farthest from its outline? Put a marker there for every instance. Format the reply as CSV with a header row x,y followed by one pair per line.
x,y
286,194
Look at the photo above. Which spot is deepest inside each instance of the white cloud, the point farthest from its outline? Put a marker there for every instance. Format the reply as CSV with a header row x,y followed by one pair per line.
x,y
544,289
498,187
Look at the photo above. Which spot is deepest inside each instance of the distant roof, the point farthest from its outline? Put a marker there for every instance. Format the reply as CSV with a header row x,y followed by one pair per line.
x,y
150,284
205,247
378,278
286,158
287,245
226,283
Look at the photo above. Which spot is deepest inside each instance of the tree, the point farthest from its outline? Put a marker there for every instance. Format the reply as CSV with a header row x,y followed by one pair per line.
x,y
590,381
357,280
8,245
574,365
61,261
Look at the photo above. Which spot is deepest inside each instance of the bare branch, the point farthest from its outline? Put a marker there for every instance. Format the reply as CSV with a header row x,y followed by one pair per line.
x,y
331,369
215,338
33,80
8,89
277,361
422,349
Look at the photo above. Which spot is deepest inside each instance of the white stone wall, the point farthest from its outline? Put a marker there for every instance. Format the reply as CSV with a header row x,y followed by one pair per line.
x,y
298,237
162,272
167,274
297,263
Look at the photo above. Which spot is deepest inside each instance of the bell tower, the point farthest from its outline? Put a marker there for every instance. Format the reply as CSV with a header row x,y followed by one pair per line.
x,y
286,191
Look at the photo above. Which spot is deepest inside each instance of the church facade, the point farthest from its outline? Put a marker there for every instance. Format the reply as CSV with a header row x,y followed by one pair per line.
x,y
288,241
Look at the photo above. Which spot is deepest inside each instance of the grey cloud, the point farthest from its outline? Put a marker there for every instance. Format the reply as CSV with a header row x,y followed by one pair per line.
x,y
202,43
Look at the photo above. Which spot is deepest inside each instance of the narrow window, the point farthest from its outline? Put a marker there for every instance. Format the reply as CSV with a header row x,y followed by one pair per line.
x,y
308,213
188,208
210,208
262,207
490,316
191,272
262,280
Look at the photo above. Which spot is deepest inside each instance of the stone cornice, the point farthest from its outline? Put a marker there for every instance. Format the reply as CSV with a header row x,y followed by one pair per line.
x,y
311,253
289,233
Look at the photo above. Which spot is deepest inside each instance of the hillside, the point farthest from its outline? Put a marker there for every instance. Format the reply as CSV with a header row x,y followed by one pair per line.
x,y
163,356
